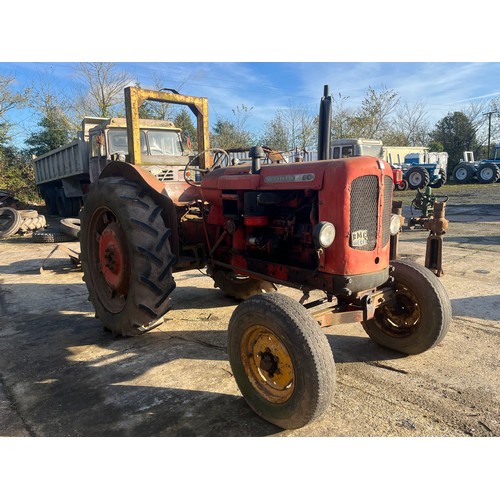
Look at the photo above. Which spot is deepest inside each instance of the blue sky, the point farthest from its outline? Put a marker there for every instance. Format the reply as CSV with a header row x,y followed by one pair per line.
x,y
264,56
265,86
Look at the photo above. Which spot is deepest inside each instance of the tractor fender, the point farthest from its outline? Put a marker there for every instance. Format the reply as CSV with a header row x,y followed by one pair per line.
x,y
157,190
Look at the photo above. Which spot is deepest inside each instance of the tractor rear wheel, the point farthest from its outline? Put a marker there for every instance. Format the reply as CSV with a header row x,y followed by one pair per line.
x,y
418,178
126,257
463,173
281,360
420,315
488,174
238,286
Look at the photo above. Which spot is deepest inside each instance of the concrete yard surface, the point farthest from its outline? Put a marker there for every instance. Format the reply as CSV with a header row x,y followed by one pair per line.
x,y
63,375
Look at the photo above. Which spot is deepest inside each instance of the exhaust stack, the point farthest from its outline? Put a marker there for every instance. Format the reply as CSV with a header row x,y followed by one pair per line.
x,y
325,125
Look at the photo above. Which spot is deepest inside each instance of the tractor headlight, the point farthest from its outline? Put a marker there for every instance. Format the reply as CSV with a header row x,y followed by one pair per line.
x,y
395,225
323,234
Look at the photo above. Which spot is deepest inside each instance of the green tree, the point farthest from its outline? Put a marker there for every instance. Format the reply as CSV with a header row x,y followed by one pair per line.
x,y
53,134
183,120
228,134
275,134
457,134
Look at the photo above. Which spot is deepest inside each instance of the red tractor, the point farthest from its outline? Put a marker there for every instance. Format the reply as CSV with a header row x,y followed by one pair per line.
x,y
314,226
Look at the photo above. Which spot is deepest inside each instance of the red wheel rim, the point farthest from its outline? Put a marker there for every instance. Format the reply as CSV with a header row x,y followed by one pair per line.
x,y
113,258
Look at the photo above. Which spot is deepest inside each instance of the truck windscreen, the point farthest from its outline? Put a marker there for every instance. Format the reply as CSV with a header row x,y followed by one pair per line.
x,y
164,142
118,142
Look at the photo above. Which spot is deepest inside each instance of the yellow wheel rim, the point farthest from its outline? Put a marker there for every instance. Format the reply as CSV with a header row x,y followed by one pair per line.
x,y
268,364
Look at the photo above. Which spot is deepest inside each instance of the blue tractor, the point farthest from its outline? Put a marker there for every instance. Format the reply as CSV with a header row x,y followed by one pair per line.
x,y
482,171
419,172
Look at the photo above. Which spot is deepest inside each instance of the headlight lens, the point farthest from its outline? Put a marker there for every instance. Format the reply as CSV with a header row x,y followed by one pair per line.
x,y
323,234
395,224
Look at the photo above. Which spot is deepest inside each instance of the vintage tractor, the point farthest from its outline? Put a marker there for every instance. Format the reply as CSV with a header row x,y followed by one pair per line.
x,y
320,226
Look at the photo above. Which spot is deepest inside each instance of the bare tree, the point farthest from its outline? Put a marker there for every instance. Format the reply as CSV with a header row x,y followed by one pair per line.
x,y
102,88
50,102
410,124
372,119
10,99
341,117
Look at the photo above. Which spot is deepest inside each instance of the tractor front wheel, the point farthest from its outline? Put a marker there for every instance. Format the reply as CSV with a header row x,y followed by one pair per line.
x,y
281,360
419,316
126,257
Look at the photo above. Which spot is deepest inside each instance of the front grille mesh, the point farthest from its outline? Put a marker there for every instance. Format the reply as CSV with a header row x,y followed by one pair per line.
x,y
364,212
386,214
165,175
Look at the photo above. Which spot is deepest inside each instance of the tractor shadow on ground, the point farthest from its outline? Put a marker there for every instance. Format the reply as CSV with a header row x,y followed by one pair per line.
x,y
483,307
69,377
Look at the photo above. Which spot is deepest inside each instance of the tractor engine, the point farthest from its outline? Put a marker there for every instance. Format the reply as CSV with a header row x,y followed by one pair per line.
x,y
317,225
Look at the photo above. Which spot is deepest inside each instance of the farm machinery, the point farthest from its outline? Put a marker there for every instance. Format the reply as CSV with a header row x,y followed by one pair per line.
x,y
325,226
486,171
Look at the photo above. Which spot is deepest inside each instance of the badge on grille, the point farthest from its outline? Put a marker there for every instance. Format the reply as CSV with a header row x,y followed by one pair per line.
x,y
359,238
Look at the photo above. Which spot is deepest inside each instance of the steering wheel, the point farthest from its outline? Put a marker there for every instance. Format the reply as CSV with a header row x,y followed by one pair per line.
x,y
217,158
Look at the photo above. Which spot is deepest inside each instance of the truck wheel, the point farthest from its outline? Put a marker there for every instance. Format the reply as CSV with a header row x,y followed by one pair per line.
x,y
417,177
10,222
67,207
281,360
50,197
463,173
126,257
488,174
418,318
238,286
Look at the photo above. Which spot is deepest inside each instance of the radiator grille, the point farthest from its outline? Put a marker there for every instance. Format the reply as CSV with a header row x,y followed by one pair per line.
x,y
165,174
387,210
364,213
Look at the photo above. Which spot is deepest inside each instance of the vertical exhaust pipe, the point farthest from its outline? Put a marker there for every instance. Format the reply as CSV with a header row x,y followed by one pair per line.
x,y
325,125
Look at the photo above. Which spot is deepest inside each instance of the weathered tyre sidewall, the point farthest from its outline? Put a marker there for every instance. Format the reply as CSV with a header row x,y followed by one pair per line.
x,y
15,222
147,296
435,309
314,384
70,226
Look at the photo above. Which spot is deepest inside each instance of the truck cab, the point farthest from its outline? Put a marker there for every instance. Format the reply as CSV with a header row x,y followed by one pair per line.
x,y
64,174
162,151
346,148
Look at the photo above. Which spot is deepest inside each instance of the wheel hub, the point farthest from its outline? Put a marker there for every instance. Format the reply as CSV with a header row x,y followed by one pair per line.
x,y
113,258
268,364
402,315
487,174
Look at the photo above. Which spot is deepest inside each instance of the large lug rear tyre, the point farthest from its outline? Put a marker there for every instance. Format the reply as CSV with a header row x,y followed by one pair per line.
x,y
281,360
441,181
488,174
126,257
418,318
238,286
417,177
463,173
